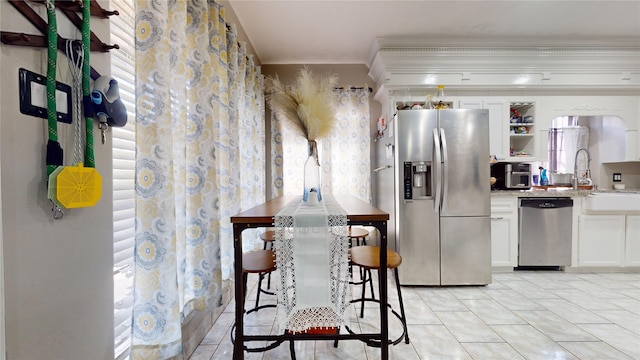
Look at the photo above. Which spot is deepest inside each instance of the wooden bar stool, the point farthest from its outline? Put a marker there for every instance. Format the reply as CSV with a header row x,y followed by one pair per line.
x,y
368,258
358,234
261,262
268,237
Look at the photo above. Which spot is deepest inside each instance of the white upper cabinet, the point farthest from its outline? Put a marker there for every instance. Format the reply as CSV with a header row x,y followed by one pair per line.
x,y
498,115
512,126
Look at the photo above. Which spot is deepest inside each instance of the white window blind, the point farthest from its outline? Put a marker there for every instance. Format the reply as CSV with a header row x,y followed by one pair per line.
x,y
123,70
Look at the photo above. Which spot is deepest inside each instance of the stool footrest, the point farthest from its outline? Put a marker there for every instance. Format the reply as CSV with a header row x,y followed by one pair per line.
x,y
273,345
378,343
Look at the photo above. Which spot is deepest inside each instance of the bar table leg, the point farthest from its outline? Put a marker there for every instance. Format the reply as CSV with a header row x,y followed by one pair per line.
x,y
238,347
382,271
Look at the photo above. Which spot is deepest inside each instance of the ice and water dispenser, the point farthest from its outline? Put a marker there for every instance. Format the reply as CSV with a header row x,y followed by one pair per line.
x,y
417,180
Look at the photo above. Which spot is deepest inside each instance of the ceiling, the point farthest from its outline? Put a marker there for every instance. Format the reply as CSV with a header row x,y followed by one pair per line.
x,y
349,32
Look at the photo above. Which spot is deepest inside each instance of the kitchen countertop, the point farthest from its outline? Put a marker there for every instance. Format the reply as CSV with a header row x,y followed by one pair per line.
x,y
557,192
568,192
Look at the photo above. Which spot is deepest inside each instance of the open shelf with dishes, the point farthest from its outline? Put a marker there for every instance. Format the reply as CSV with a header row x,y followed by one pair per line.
x,y
521,130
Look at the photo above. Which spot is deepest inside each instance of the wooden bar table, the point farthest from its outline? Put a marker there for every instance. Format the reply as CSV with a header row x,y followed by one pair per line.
x,y
358,213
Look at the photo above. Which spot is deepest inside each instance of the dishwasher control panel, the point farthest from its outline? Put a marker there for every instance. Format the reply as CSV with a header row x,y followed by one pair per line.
x,y
546,203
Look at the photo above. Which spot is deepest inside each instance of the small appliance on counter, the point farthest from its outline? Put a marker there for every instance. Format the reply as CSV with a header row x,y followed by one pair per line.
x,y
511,176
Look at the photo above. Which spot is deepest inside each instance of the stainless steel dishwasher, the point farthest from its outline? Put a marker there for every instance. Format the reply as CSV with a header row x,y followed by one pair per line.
x,y
544,229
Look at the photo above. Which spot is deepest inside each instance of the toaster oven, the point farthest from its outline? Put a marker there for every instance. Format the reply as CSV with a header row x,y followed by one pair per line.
x,y
511,176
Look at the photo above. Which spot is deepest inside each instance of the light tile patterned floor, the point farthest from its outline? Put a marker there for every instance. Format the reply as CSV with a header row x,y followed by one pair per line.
x,y
521,315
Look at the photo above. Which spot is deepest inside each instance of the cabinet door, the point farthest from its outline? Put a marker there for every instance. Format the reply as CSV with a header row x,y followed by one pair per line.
x,y
471,103
503,249
633,241
504,232
601,240
498,122
498,116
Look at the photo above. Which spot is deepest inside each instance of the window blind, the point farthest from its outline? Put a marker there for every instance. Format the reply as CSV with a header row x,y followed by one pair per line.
x,y
123,70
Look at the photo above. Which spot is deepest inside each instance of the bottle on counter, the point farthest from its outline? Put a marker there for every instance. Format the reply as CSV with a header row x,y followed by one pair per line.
x,y
544,180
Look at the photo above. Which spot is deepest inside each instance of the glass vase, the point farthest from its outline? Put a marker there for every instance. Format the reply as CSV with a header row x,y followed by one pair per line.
x,y
312,174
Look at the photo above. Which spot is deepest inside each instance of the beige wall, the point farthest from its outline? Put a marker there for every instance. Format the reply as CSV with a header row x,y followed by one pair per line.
x,y
58,274
348,75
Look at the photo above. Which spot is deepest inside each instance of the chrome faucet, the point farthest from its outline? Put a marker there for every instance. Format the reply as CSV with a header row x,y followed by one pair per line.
x,y
575,168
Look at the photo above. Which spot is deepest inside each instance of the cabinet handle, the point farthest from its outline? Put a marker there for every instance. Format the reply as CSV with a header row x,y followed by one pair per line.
x,y
497,218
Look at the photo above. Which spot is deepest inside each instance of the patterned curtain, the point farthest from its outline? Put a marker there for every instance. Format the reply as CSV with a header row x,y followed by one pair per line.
x,y
345,155
200,104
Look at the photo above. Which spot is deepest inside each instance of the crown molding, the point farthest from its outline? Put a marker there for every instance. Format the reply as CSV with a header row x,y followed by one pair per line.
x,y
496,67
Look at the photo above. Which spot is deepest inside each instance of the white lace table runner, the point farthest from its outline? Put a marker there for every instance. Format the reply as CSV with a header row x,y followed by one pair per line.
x,y
312,258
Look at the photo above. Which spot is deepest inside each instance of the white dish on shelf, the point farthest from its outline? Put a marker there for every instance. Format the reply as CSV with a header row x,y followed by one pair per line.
x,y
618,186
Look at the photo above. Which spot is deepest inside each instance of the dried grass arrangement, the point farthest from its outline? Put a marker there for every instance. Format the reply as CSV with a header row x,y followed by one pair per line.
x,y
308,106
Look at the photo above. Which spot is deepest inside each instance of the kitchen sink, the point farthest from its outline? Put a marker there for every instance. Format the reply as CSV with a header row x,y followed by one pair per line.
x,y
619,202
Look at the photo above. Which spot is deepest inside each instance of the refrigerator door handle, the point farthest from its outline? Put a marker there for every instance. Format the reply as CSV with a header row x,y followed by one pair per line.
x,y
445,168
437,178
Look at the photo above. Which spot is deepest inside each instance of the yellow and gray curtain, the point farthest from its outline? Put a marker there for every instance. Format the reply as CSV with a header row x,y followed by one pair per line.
x,y
199,160
345,156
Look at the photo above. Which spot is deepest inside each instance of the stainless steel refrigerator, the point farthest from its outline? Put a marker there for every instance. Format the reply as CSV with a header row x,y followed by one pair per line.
x,y
442,197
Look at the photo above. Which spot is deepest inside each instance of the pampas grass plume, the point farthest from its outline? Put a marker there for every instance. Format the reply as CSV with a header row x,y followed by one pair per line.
x,y
308,108
284,104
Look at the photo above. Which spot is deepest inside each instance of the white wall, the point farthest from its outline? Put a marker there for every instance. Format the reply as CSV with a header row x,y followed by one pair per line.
x,y
58,274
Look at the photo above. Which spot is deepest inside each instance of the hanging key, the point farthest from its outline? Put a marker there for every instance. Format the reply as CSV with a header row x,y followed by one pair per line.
x,y
103,126
58,214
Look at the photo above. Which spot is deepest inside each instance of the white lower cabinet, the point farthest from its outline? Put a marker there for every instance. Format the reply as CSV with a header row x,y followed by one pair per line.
x,y
601,240
504,232
633,240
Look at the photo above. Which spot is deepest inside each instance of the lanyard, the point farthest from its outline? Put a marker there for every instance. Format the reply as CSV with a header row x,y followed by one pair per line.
x,y
89,157
54,155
